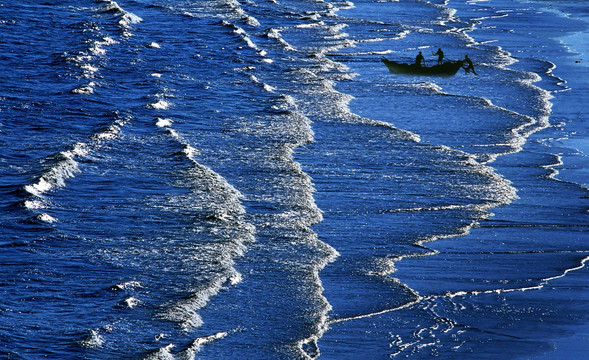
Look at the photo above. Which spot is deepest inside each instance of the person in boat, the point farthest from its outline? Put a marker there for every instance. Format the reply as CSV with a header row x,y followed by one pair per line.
x,y
469,66
440,54
419,59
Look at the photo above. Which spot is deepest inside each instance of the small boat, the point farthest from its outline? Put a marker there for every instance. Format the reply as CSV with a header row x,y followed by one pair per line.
x,y
449,68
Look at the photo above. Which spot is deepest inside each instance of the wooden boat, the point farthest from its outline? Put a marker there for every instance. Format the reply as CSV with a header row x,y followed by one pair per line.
x,y
448,68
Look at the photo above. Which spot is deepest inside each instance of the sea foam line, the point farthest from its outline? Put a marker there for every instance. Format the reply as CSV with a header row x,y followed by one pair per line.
x,y
308,213
419,299
519,133
191,352
229,213
126,19
247,40
65,166
85,60
235,6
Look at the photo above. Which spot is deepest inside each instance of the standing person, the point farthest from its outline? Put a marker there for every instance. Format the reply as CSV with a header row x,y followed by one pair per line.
x,y
469,67
440,54
419,59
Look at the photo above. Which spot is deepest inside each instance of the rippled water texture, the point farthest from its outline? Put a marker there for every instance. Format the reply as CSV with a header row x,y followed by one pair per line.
x,y
228,179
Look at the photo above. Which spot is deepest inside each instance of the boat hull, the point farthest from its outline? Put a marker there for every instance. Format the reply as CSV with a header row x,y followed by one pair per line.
x,y
449,68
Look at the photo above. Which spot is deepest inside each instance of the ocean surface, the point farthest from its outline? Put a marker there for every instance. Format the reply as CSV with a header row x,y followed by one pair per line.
x,y
244,179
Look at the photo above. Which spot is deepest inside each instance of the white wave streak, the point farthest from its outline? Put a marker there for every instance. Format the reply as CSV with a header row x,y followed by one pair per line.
x,y
539,285
416,300
186,312
519,134
275,34
289,128
87,89
93,340
222,208
64,166
160,104
534,124
165,353
429,208
553,172
498,191
449,324
126,19
321,94
198,343
164,122
304,217
246,39
236,8
268,88
46,218
129,285
97,47
85,60
309,346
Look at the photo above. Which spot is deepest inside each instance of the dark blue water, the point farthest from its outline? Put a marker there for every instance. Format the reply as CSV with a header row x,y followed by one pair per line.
x,y
246,180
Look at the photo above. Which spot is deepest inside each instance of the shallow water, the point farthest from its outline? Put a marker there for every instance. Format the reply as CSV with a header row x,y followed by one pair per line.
x,y
245,179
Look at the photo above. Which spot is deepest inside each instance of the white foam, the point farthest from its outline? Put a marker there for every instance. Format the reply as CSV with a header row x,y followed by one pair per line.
x,y
190,152
236,7
164,122
79,58
94,340
46,218
39,187
129,18
269,88
174,134
107,40
89,69
235,278
132,302
126,18
249,42
129,285
79,149
275,34
87,89
65,168
107,135
34,204
226,211
164,353
199,342
97,49
161,104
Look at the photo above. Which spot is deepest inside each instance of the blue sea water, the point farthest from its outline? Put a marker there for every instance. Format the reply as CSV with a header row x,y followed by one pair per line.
x,y
224,179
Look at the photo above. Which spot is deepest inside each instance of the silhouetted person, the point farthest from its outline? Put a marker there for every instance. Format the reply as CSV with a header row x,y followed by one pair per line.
x,y
469,67
440,54
419,59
